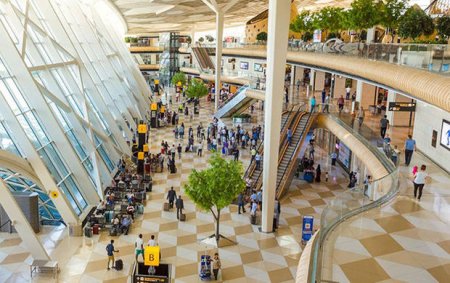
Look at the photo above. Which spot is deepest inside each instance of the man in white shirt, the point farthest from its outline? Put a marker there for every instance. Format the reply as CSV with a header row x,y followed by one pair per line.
x,y
139,247
152,242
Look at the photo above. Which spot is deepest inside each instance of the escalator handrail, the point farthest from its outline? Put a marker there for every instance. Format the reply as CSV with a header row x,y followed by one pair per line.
x,y
296,145
238,91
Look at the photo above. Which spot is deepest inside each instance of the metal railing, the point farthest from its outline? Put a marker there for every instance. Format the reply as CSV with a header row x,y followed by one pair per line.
x,y
353,201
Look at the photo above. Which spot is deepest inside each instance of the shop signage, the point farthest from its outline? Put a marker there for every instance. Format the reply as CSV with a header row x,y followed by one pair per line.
x,y
402,106
151,256
307,227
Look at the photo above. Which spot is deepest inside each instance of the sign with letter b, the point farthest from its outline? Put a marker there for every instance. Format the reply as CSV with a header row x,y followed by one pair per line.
x,y
151,256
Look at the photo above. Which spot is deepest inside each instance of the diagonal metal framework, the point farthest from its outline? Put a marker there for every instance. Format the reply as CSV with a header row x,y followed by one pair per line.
x,y
69,98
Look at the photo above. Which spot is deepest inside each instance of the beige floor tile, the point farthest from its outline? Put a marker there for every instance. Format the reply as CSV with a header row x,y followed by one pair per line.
x,y
186,270
342,257
441,273
250,257
381,245
280,275
306,211
187,239
406,205
394,223
364,271
317,202
267,243
230,273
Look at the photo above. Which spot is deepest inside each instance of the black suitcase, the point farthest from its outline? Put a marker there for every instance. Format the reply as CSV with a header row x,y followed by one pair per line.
x,y
182,217
119,264
253,219
113,232
88,232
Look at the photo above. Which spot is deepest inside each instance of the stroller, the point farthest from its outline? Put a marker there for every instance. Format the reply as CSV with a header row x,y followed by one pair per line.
x,y
205,267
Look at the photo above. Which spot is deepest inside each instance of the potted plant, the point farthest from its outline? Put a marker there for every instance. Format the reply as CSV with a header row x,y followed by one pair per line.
x,y
215,188
209,38
262,36
242,118
179,79
201,39
196,90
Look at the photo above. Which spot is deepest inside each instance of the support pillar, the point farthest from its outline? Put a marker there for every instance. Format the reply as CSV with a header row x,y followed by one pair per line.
x,y
312,80
219,40
276,61
359,90
292,84
21,224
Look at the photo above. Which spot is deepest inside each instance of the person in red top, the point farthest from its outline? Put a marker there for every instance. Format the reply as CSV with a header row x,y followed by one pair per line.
x,y
340,103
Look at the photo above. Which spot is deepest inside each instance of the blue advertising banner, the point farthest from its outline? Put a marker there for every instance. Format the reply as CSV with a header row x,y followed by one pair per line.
x,y
307,227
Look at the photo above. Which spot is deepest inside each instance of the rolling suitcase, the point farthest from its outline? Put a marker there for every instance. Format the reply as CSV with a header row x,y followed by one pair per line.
x,y
166,206
95,229
88,232
182,217
113,232
119,264
253,219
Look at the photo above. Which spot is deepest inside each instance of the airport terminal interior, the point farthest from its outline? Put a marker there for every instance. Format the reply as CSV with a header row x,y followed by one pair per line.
x,y
224,140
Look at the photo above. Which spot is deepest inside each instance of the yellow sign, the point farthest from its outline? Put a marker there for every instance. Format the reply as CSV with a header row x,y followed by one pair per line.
x,y
178,83
142,129
156,82
145,147
154,106
163,109
54,194
140,155
151,256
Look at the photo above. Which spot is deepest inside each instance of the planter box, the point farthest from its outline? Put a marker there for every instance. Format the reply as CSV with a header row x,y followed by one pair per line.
x,y
242,120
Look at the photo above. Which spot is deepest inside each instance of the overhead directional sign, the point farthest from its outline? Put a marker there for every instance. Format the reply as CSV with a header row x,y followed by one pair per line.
x,y
402,106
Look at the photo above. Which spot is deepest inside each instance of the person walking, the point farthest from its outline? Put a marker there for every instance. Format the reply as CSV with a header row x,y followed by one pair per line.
x,y
110,250
312,103
419,181
326,106
384,125
180,206
347,92
171,197
179,149
340,103
216,265
241,203
324,94
318,173
361,116
200,148
139,247
410,147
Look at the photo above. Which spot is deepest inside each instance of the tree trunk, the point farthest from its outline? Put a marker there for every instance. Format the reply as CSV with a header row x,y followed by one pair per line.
x,y
217,225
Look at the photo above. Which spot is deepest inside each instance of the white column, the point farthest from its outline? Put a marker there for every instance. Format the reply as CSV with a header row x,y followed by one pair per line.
x,y
359,90
392,97
312,80
276,61
292,86
219,39
21,224
370,35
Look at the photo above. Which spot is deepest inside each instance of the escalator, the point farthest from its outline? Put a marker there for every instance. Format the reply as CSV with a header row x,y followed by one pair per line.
x,y
300,122
254,174
203,58
237,104
288,161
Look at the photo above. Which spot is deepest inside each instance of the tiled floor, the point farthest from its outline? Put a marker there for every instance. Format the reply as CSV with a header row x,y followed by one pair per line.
x,y
405,241
257,257
365,244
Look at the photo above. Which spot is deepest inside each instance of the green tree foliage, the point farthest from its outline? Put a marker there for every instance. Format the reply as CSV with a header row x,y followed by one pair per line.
x,y
127,39
330,19
303,23
391,12
209,38
216,187
262,36
414,23
307,36
201,39
364,14
179,77
196,89
443,26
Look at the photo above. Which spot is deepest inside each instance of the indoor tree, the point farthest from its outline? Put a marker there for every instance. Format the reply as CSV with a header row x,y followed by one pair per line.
x,y
196,89
329,19
364,14
391,12
262,36
304,24
414,23
216,187
178,78
443,26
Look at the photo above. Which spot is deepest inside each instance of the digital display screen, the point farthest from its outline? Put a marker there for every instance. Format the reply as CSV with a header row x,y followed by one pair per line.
x,y
244,65
445,134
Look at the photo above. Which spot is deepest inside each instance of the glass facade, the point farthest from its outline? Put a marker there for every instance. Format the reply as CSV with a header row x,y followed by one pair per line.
x,y
69,95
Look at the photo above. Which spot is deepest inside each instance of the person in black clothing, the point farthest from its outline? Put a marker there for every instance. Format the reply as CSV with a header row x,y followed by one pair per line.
x,y
171,197
179,149
236,154
180,206
318,173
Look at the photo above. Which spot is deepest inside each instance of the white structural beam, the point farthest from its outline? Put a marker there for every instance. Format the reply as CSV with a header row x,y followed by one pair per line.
x,y
276,65
21,223
219,36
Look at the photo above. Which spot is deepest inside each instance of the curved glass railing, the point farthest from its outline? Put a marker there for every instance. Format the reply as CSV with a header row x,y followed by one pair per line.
x,y
352,202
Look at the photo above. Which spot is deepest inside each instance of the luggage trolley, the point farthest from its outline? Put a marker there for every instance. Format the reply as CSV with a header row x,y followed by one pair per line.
x,y
205,267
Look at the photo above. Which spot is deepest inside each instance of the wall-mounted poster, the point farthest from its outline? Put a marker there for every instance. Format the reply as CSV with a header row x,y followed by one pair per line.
x,y
258,67
344,156
445,134
244,65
